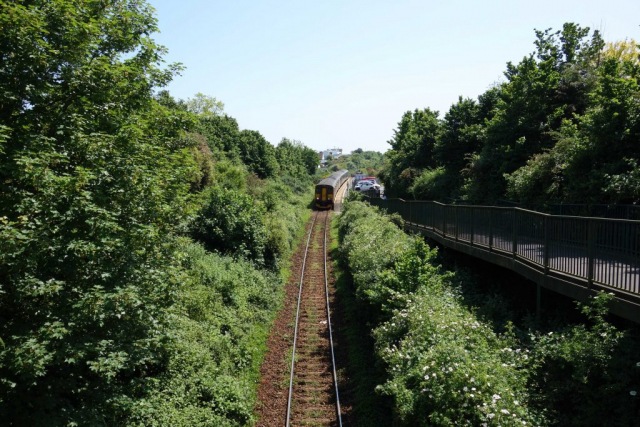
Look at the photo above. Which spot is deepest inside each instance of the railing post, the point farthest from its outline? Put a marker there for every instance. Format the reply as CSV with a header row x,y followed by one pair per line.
x,y
490,229
547,239
472,225
456,221
515,234
590,251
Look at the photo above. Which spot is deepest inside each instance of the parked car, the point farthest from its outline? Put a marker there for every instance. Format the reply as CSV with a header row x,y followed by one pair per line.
x,y
365,185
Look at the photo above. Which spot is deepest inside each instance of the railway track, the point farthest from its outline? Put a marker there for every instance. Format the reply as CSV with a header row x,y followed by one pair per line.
x,y
313,386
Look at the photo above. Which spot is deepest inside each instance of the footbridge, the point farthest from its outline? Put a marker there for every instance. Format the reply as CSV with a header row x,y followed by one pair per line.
x,y
574,256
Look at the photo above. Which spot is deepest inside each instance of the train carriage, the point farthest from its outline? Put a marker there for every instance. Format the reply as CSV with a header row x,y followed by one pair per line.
x,y
328,187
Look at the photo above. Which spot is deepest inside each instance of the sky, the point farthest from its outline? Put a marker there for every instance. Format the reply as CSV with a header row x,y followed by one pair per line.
x,y
341,73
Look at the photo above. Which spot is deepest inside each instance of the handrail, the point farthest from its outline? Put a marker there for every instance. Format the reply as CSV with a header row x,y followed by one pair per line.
x,y
601,251
595,218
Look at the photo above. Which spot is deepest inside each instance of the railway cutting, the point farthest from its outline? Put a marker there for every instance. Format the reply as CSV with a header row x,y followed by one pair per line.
x,y
311,396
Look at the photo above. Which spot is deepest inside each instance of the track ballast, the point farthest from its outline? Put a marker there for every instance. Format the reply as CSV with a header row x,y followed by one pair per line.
x,y
313,398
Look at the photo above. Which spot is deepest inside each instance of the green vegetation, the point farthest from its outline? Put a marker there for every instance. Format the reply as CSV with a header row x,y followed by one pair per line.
x,y
564,127
141,236
368,162
445,362
358,374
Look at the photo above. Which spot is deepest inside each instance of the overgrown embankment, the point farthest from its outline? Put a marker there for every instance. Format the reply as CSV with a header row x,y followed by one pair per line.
x,y
141,236
445,365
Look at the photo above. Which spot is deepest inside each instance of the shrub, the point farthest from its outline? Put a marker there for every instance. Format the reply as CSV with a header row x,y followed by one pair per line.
x,y
231,222
219,325
444,366
371,245
579,374
432,184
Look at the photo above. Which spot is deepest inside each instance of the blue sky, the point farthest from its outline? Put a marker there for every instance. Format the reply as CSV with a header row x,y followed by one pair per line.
x,y
342,73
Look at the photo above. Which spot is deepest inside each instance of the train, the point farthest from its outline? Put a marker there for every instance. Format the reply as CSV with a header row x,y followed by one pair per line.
x,y
328,187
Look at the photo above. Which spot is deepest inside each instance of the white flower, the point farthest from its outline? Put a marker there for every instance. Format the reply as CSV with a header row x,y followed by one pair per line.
x,y
515,402
633,392
426,377
504,411
465,388
496,397
490,416
472,395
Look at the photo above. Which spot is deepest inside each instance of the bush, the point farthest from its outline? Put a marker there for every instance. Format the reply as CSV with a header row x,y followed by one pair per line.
x,y
580,375
231,222
219,326
444,366
370,246
230,175
432,184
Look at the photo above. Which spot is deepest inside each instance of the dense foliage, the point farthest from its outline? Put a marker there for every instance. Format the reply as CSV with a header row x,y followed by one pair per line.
x,y
109,313
218,328
563,127
448,365
368,162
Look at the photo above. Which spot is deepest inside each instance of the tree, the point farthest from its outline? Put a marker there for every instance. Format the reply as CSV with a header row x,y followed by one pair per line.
x,y
232,222
204,106
544,89
412,149
295,158
222,133
258,153
95,179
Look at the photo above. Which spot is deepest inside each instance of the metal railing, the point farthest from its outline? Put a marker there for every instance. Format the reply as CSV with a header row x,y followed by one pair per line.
x,y
598,251
612,210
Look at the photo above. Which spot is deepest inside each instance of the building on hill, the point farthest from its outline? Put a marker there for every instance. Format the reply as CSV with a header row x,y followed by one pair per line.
x,y
333,152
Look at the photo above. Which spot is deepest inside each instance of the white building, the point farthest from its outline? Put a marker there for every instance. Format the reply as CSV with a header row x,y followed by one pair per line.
x,y
333,152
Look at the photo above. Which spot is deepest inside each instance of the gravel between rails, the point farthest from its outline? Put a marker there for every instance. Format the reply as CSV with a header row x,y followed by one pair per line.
x,y
313,397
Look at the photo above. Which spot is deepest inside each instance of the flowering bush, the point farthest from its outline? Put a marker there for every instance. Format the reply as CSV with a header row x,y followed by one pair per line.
x,y
444,366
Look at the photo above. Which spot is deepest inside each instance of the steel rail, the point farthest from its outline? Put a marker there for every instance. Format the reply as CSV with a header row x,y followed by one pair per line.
x,y
326,290
295,333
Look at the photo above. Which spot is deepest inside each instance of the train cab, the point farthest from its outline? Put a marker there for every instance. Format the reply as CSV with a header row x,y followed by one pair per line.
x,y
327,188
324,196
